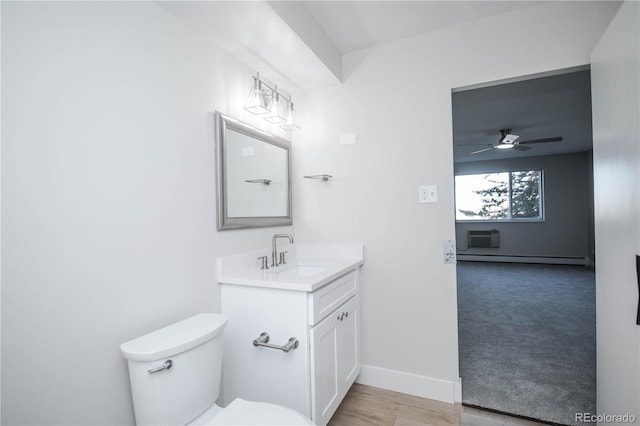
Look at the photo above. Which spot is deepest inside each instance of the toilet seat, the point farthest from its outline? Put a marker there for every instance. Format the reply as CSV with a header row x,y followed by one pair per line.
x,y
242,412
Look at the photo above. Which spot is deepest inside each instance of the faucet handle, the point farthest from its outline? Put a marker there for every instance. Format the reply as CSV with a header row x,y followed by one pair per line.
x,y
264,264
283,258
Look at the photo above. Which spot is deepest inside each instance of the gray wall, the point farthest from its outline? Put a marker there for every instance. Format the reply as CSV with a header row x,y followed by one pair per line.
x,y
567,228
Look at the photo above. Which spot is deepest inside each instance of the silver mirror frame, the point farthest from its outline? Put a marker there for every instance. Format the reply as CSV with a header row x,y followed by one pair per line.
x,y
222,123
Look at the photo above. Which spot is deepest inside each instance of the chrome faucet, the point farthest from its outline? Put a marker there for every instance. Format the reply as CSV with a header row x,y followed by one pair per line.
x,y
274,250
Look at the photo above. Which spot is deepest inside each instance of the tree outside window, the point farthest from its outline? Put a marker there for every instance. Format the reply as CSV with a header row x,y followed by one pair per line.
x,y
515,195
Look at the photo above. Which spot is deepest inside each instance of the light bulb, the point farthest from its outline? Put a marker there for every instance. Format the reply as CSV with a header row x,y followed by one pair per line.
x,y
504,146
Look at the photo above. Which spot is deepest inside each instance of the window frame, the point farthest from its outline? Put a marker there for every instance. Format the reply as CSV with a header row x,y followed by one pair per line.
x,y
509,219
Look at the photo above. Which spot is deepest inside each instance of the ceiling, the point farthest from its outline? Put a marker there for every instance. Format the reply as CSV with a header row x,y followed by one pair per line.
x,y
265,35
558,105
355,25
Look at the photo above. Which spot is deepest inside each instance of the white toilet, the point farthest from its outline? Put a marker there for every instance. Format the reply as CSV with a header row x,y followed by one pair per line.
x,y
175,379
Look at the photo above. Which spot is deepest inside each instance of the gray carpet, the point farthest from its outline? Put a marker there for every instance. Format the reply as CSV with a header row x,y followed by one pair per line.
x,y
527,339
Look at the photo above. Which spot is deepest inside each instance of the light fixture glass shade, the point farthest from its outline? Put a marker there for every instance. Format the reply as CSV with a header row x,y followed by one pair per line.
x,y
258,99
289,124
278,109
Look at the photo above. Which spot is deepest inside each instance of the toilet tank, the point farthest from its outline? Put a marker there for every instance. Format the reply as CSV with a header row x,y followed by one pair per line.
x,y
178,394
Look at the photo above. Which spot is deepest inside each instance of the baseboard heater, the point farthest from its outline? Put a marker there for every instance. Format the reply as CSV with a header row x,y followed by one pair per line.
x,y
483,239
550,260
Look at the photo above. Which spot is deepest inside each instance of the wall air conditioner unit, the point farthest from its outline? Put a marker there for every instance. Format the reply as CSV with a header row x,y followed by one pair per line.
x,y
483,239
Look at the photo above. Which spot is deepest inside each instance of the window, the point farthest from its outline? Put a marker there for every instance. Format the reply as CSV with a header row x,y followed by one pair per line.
x,y
508,196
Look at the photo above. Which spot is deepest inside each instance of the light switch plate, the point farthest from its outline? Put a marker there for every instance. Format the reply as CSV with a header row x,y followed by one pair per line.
x,y
428,194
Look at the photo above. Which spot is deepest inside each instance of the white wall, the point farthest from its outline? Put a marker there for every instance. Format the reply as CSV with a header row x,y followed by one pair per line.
x,y
397,97
108,197
616,156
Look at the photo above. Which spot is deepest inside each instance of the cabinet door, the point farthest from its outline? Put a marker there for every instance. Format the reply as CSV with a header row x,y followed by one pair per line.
x,y
325,383
349,347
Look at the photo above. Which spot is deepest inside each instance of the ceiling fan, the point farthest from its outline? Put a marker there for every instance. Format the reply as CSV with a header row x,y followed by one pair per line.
x,y
508,141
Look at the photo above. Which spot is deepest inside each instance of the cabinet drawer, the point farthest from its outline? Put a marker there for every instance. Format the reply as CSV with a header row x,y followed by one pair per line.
x,y
323,301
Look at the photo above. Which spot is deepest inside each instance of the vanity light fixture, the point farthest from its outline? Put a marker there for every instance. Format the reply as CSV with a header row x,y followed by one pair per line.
x,y
278,108
276,105
290,125
258,99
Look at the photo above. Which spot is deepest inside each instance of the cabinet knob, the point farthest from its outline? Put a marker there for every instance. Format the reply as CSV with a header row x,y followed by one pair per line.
x,y
342,316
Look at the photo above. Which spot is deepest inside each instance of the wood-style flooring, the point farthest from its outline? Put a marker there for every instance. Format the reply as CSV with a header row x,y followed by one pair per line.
x,y
366,405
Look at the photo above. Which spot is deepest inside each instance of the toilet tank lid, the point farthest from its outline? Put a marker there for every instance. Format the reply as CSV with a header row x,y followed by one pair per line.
x,y
175,338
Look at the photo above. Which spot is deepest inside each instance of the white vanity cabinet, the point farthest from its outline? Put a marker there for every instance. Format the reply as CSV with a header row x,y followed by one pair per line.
x,y
312,378
335,359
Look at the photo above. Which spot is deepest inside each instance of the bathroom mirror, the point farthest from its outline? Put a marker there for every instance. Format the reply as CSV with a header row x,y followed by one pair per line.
x,y
253,176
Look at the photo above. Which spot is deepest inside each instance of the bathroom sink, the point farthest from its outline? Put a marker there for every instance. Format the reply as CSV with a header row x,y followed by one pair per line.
x,y
309,266
301,271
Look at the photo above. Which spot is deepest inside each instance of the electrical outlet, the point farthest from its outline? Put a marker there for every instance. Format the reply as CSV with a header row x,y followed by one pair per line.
x,y
428,194
449,251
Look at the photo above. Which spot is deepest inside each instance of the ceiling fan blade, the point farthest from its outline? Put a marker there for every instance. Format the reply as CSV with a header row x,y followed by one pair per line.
x,y
474,144
482,150
556,139
521,148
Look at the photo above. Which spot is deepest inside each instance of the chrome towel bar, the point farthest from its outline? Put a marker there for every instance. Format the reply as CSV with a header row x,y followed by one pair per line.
x,y
323,177
263,340
264,181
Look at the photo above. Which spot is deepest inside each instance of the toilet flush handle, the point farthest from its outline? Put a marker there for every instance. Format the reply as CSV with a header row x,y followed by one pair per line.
x,y
165,366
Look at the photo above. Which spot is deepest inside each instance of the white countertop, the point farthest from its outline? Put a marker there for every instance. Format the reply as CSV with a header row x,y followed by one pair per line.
x,y
309,267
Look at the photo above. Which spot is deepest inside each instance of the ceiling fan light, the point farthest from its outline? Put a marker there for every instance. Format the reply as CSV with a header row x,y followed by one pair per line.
x,y
504,146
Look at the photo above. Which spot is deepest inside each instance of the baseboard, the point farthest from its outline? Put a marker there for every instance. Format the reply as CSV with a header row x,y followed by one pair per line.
x,y
412,384
524,259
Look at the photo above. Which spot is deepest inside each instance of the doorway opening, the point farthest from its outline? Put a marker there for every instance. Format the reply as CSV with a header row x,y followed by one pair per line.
x,y
525,246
